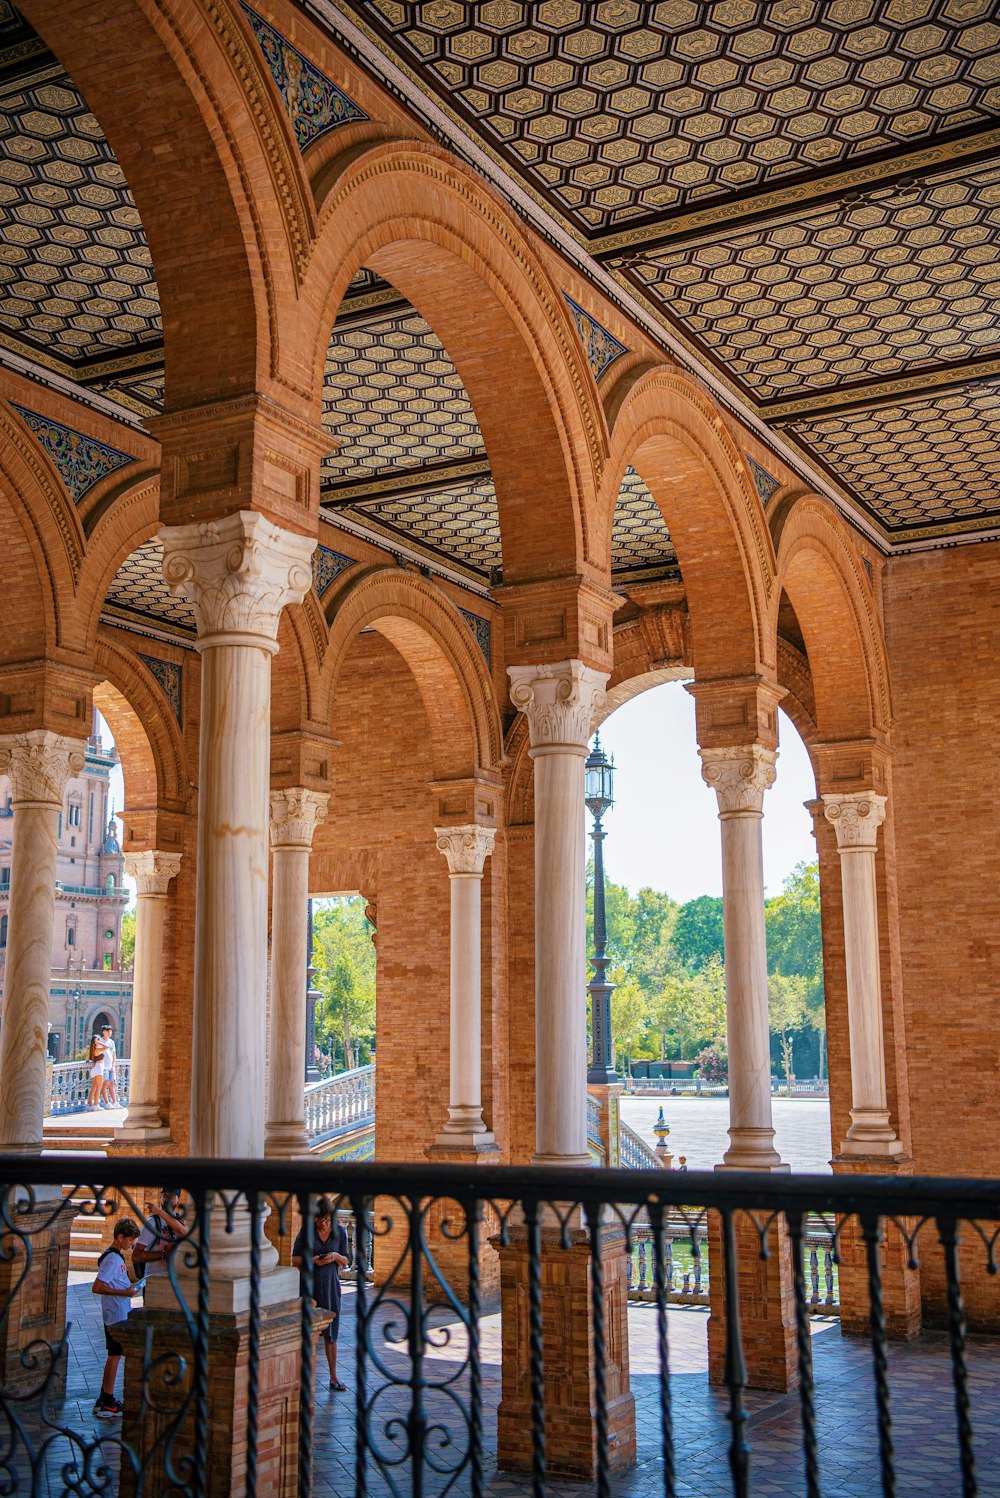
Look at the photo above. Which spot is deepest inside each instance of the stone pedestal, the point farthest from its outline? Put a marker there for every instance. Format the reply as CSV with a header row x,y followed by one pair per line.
x,y
34,1308
568,1357
900,1283
767,1306
147,1422
607,1096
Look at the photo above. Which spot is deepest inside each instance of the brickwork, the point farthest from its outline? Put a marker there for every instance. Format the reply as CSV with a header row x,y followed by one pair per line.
x,y
767,1305
568,1356
33,1297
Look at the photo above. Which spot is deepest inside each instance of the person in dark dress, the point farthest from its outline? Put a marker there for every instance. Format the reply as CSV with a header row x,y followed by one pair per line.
x,y
329,1249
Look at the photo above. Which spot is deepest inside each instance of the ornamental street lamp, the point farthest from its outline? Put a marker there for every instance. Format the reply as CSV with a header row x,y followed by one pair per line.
x,y
599,773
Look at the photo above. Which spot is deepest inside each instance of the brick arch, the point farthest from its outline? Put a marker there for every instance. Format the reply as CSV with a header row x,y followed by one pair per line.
x,y
666,428
118,531
821,571
181,96
41,537
418,217
447,664
145,731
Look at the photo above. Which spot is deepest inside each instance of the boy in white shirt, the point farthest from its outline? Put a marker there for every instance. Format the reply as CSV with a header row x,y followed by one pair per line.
x,y
114,1285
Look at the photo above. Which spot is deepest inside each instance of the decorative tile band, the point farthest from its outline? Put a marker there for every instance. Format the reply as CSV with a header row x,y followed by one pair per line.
x,y
766,483
601,347
80,461
314,103
168,677
482,630
328,565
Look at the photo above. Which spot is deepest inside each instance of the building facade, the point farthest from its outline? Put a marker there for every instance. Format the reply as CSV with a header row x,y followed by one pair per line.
x,y
89,987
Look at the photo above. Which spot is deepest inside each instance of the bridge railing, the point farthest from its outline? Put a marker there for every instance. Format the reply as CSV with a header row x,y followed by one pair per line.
x,y
71,1085
345,1101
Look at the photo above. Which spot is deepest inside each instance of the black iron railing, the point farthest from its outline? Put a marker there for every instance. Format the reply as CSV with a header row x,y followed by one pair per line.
x,y
420,1417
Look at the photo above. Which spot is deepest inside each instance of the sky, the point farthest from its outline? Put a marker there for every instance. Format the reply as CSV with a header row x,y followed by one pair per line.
x,y
663,830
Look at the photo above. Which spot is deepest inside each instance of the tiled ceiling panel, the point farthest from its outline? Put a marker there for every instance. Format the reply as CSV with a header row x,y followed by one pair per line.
x,y
139,591
850,293
929,463
618,111
76,278
393,399
640,540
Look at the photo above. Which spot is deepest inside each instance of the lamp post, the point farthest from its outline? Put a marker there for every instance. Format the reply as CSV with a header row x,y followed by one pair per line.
x,y
599,772
312,998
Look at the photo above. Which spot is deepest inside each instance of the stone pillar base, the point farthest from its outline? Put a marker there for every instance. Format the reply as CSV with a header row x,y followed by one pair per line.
x,y
767,1306
568,1357
147,1422
900,1283
35,1309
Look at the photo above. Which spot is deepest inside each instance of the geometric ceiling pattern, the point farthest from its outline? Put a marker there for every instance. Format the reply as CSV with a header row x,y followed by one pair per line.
x,y
617,112
872,289
893,456
804,194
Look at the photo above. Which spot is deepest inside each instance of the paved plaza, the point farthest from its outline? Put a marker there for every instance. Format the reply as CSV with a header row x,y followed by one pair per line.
x,y
698,1128
920,1379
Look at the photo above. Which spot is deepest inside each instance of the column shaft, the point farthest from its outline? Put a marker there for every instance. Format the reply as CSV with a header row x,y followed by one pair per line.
x,y
466,849
856,819
560,702
739,777
152,872
38,764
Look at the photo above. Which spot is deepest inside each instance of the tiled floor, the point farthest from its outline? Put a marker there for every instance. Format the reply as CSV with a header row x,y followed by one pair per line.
x,y
923,1416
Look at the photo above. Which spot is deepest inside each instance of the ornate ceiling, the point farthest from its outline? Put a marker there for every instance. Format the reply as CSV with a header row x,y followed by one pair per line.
x,y
800,197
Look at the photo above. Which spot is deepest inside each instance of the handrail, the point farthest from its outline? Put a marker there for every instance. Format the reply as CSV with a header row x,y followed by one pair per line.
x,y
636,1154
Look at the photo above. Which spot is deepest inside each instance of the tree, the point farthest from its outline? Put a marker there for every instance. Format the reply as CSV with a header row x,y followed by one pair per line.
x,y
691,1008
344,958
629,1016
795,948
127,945
786,1011
697,933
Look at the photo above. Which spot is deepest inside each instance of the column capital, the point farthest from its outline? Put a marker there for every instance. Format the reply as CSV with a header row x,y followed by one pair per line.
x,y
739,774
239,573
38,764
560,702
856,817
295,815
152,870
466,848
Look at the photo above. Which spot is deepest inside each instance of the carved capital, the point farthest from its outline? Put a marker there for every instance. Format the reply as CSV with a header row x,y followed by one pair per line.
x,y
466,848
560,703
152,870
238,573
739,775
856,817
38,764
295,815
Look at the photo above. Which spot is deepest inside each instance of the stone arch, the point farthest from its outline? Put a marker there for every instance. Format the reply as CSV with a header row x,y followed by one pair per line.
x,y
418,217
666,428
148,737
191,80
821,571
440,650
118,528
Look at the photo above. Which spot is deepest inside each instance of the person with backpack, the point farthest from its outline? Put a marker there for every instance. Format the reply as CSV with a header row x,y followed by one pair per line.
x,y
114,1285
160,1231
95,1060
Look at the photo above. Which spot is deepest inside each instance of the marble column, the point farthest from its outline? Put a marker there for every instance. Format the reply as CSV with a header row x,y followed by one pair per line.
x,y
295,814
466,849
739,776
38,764
560,703
239,573
152,872
856,818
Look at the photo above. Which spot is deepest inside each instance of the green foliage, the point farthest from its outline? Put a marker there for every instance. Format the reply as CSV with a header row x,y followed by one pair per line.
x,y
128,941
667,963
344,959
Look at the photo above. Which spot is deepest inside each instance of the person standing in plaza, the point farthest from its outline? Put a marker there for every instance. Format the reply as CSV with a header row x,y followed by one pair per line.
x,y
160,1231
114,1285
95,1060
109,1090
329,1255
